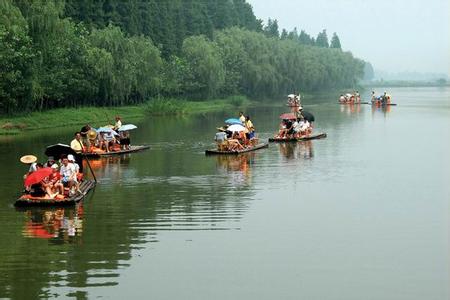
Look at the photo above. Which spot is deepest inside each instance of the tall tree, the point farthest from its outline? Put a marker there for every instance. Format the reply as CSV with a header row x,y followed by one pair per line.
x,y
322,39
271,28
335,42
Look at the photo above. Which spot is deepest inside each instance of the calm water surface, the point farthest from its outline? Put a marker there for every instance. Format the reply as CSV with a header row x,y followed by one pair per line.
x,y
363,214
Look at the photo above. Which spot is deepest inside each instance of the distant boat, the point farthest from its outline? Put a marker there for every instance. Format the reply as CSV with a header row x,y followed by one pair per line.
x,y
316,136
236,152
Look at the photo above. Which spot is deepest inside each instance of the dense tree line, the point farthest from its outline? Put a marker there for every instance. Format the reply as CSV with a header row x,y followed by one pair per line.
x,y
125,52
167,23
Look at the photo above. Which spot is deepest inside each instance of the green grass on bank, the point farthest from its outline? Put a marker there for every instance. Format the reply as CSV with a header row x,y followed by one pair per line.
x,y
10,125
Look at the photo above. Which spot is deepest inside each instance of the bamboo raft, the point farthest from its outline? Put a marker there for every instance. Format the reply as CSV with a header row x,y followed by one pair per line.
x,y
385,104
26,200
349,103
316,136
111,153
253,148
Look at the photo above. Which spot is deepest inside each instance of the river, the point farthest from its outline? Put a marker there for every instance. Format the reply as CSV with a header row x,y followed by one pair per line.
x,y
362,214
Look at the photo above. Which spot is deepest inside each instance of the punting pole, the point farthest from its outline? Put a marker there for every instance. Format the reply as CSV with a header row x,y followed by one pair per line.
x,y
87,161
90,168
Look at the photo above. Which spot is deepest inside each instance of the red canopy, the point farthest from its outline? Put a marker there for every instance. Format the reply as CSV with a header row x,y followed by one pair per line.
x,y
37,176
288,116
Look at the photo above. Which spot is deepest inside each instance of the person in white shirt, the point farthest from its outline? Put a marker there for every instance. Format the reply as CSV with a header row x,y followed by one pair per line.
x,y
304,127
296,127
71,160
69,174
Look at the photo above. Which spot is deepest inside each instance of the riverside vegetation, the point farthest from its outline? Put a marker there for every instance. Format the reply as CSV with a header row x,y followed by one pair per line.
x,y
111,53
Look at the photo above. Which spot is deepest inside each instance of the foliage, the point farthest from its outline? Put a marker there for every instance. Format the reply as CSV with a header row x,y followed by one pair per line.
x,y
322,39
165,106
335,42
237,100
129,52
167,23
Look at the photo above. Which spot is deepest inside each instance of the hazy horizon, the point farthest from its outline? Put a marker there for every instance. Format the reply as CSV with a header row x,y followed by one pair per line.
x,y
395,36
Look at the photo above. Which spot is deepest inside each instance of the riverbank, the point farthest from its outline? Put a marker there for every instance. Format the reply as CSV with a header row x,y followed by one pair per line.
x,y
55,118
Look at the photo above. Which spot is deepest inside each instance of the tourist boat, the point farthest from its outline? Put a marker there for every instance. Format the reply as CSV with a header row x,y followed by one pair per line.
x,y
236,152
102,153
376,103
353,103
305,138
28,200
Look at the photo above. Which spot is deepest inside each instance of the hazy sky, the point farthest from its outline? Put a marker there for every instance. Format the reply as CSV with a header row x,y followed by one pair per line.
x,y
394,35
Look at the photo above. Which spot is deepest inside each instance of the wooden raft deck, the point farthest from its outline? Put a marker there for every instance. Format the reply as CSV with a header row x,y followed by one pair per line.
x,y
85,187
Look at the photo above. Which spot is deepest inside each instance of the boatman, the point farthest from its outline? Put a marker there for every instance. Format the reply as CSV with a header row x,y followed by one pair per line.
x,y
77,146
84,136
242,117
118,123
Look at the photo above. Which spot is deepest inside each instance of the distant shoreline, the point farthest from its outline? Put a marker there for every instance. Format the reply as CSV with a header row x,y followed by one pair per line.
x,y
404,83
99,116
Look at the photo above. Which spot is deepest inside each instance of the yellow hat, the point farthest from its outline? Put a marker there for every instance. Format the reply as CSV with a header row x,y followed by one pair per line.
x,y
92,134
28,159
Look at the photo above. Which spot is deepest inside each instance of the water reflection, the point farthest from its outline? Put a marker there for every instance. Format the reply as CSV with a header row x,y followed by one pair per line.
x,y
302,150
383,109
350,109
61,225
237,167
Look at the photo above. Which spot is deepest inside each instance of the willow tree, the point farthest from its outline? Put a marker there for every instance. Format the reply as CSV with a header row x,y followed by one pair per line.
x,y
205,74
15,59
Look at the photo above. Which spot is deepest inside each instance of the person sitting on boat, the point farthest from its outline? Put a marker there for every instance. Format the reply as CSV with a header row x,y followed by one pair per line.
x,y
221,139
349,98
50,162
124,140
48,188
386,98
305,127
282,129
296,128
242,117
342,99
357,97
118,123
55,180
374,98
71,159
287,128
108,141
234,144
69,175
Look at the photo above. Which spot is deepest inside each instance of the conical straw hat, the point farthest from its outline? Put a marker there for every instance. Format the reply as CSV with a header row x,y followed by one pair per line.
x,y
28,159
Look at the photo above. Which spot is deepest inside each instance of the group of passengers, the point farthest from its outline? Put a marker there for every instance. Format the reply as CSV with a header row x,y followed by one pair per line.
x,y
61,182
88,140
236,140
293,129
294,100
382,99
350,98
